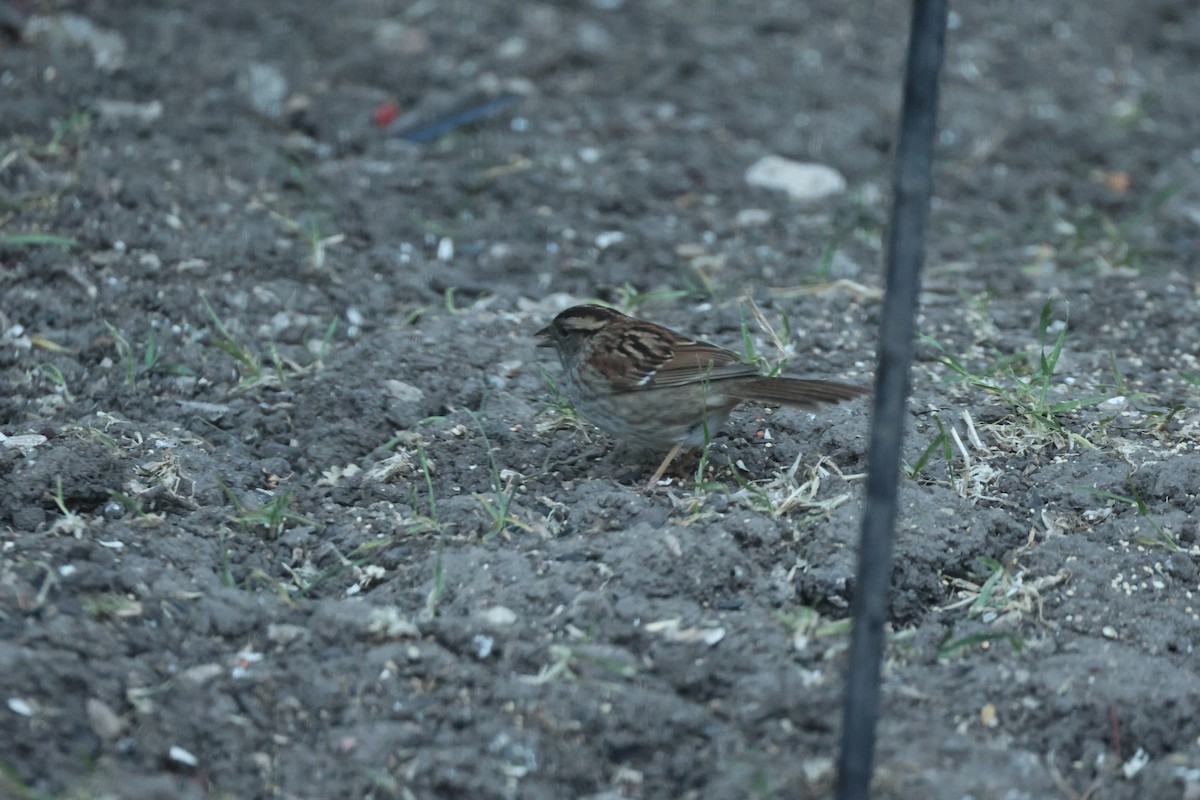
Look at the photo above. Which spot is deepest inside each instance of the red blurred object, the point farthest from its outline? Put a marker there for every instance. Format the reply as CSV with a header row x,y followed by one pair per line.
x,y
386,114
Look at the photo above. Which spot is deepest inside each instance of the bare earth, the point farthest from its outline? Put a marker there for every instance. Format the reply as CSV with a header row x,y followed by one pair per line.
x,y
288,508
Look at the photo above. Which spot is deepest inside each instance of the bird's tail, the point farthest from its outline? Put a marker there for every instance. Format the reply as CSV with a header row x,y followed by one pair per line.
x,y
796,392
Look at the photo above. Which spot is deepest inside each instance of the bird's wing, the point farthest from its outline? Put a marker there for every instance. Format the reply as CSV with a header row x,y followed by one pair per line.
x,y
663,359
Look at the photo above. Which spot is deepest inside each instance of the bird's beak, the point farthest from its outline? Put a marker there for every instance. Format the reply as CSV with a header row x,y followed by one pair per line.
x,y
546,339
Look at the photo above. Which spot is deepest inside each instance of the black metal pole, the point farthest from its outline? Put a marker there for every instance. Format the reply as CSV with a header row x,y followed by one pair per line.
x,y
905,250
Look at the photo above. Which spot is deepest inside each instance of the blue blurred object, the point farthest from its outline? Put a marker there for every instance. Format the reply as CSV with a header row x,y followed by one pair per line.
x,y
428,131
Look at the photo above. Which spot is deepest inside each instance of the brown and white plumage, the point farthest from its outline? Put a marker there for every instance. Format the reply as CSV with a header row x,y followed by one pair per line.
x,y
649,384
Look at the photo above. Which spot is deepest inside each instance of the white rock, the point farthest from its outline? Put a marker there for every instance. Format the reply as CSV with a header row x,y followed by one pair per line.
x,y
265,88
483,645
752,218
108,47
19,706
497,616
404,392
144,113
181,756
607,239
801,181
25,442
1135,764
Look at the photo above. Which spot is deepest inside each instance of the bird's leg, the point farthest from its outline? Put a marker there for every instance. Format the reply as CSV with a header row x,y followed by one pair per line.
x,y
658,473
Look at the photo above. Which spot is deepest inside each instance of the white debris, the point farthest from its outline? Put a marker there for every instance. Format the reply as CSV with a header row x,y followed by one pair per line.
x,y
752,218
483,645
1135,764
24,442
19,706
800,180
144,113
497,616
608,239
265,89
108,47
181,756
404,392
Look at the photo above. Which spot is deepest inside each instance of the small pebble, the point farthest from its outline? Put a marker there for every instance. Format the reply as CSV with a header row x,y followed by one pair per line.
x,y
497,616
19,706
752,218
801,181
181,756
105,722
265,89
608,239
1182,566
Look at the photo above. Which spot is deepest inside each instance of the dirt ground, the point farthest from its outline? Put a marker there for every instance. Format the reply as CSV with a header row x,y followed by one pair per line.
x,y
289,506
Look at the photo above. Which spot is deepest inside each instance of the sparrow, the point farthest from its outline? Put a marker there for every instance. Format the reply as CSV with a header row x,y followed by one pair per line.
x,y
653,386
